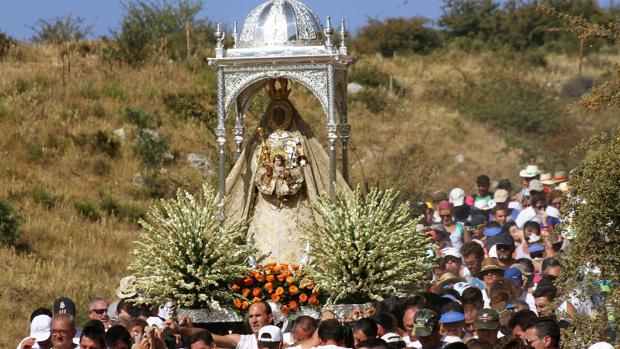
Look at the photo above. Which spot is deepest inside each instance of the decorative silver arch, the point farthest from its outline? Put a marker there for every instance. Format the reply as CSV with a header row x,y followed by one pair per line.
x,y
243,71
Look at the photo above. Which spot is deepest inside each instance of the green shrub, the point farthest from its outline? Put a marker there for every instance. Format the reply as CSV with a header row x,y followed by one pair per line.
x,y
396,35
106,142
140,118
109,205
87,209
60,29
132,211
43,198
376,100
151,149
187,106
371,76
9,225
6,43
22,85
576,86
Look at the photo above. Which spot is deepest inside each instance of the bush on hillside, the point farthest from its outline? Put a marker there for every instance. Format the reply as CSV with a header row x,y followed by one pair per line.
x,y
9,225
61,29
86,209
6,42
150,27
151,149
141,118
396,35
576,86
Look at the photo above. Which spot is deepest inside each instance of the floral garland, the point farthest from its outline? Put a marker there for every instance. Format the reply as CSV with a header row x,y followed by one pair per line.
x,y
284,285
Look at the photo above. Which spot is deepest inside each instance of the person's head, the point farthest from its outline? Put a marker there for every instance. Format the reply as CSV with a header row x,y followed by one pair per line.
x,y
98,310
303,328
136,329
482,185
372,343
426,328
530,228
259,315
490,271
452,262
331,332
472,295
500,214
64,306
477,343
487,324
117,337
539,202
505,246
551,267
543,334
92,335
270,337
513,229
555,199
279,160
452,323
62,331
125,310
445,209
520,322
472,254
364,329
202,340
408,316
386,322
514,275
469,312
478,223
544,295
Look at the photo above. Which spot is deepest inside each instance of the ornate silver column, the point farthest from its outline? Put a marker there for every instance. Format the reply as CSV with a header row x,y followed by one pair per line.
x,y
332,131
239,129
220,131
345,130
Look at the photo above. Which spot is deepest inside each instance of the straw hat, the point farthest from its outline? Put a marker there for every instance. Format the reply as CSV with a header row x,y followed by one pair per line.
x,y
125,288
546,179
448,278
530,171
560,176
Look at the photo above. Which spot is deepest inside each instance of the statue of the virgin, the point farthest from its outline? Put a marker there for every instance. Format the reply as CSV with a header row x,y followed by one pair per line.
x,y
282,171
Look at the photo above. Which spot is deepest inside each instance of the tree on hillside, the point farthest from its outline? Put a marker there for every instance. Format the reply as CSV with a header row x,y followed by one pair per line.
x,y
478,19
150,26
59,30
404,35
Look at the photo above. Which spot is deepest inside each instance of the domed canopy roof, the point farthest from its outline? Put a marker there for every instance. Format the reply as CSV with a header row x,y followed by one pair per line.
x,y
281,23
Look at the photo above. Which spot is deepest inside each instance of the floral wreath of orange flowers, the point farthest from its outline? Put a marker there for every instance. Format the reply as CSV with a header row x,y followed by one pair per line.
x,y
276,282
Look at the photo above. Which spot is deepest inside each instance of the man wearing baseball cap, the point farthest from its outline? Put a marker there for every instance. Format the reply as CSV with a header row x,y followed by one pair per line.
x,y
426,329
39,333
487,325
270,337
452,323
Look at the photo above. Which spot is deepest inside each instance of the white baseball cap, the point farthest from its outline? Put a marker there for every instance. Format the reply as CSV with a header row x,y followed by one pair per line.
x,y
392,337
40,327
457,196
270,333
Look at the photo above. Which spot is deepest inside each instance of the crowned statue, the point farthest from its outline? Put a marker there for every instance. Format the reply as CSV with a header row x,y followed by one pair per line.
x,y
276,178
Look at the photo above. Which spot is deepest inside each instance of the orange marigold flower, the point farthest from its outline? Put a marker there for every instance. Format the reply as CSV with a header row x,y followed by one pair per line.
x,y
284,309
275,297
270,278
292,305
268,271
256,299
245,305
295,266
235,288
289,280
259,267
248,281
314,300
293,290
237,303
260,277
310,286
272,264
246,292
280,291
277,269
269,287
303,298
281,277
256,291
284,265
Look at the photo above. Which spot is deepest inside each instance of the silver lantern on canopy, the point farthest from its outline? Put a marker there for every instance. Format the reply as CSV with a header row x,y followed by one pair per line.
x,y
282,39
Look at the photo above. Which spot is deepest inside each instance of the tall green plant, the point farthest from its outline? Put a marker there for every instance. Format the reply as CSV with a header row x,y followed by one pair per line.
x,y
367,248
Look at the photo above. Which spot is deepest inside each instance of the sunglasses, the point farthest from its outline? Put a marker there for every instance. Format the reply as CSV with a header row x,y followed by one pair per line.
x,y
99,311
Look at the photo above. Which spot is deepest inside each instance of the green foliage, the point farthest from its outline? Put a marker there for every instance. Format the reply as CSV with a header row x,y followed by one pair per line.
x,y
396,35
470,18
140,118
188,107
358,255
87,209
576,86
159,26
106,142
151,149
43,198
593,227
202,254
376,100
6,43
4,111
60,29
9,225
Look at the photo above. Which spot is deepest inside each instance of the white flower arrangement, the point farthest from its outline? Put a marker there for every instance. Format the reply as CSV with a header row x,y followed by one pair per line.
x,y
186,254
368,248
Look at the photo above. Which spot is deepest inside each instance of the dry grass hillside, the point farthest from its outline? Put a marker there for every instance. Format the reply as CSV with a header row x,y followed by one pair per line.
x,y
75,183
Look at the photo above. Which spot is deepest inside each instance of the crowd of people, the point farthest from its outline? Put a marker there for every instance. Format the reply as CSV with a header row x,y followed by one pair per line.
x,y
498,254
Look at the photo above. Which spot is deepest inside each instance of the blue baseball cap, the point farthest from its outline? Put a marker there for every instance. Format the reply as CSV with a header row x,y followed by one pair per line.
x,y
451,317
514,275
533,248
491,231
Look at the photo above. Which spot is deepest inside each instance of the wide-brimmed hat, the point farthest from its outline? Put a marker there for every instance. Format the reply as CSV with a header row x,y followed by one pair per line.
x,y
536,185
530,171
490,263
560,176
563,187
439,195
125,288
448,278
546,179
